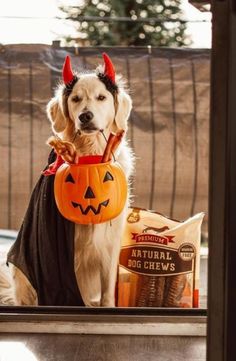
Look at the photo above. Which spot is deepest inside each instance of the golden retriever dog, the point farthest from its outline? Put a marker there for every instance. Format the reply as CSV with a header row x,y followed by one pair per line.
x,y
86,108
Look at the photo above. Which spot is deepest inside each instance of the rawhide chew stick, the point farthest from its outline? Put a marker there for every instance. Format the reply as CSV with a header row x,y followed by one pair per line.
x,y
107,152
117,141
65,149
143,289
112,144
174,290
150,291
159,287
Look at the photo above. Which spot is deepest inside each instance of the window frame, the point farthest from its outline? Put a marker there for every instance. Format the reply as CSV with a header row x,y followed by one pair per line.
x,y
15,315
222,186
83,320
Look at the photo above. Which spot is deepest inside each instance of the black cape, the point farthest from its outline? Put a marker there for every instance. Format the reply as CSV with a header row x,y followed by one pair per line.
x,y
44,248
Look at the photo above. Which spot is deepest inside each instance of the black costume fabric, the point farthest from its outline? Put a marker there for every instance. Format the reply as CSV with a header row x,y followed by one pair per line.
x,y
44,248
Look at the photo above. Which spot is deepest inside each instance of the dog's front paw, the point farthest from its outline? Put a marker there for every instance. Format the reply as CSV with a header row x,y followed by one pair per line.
x,y
94,304
108,301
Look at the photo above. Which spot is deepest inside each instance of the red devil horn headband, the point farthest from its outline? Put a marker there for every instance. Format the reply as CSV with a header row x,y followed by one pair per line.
x,y
109,69
67,71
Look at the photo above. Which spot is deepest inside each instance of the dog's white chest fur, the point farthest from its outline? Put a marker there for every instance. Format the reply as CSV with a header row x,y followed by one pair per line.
x,y
96,257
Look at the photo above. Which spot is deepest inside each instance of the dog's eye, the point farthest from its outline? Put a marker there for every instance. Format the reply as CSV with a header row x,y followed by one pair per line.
x,y
101,97
76,99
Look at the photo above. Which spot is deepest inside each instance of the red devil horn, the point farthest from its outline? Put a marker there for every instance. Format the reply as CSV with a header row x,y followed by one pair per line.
x,y
67,71
109,67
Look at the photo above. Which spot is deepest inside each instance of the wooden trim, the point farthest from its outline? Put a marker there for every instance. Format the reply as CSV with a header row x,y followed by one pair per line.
x,y
83,320
200,4
98,324
222,192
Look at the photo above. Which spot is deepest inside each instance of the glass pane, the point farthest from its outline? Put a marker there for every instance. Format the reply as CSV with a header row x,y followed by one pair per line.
x,y
168,133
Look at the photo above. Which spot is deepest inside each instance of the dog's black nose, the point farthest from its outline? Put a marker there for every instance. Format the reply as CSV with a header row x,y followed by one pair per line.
x,y
86,117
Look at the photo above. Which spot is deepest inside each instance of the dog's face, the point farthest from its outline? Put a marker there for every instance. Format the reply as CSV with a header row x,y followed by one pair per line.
x,y
90,104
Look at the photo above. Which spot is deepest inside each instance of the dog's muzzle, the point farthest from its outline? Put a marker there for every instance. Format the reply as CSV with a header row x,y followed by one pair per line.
x,y
86,117
86,123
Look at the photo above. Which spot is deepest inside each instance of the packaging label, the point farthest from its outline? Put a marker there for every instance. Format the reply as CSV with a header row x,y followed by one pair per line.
x,y
153,260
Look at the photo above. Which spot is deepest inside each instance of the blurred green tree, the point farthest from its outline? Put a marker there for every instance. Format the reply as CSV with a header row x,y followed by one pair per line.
x,y
131,22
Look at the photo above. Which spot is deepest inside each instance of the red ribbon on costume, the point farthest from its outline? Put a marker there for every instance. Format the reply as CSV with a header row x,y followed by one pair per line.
x,y
52,168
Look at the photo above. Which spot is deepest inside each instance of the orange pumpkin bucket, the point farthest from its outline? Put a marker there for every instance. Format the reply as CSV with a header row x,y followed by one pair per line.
x,y
90,192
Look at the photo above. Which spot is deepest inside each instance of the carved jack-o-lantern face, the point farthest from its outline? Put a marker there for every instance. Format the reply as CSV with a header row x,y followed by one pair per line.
x,y
90,193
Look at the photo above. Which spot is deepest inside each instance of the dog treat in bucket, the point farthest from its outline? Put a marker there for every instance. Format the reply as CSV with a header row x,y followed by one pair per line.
x,y
159,261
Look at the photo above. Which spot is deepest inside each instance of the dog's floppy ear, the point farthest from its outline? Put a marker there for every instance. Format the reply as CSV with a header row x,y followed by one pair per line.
x,y
56,115
124,106
57,110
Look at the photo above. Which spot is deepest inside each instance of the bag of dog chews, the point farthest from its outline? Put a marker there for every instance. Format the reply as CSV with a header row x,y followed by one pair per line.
x,y
159,261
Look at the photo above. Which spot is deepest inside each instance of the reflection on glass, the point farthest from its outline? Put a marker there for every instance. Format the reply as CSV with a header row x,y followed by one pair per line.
x,y
11,350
